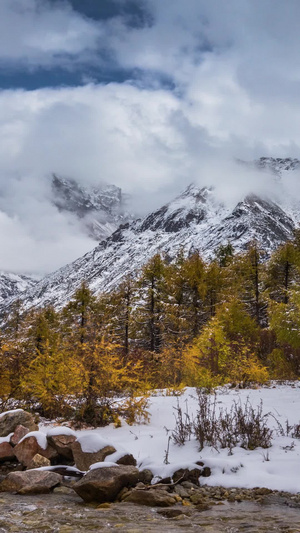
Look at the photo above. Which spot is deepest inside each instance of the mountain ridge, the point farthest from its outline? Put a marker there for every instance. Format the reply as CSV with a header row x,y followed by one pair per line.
x,y
196,220
193,221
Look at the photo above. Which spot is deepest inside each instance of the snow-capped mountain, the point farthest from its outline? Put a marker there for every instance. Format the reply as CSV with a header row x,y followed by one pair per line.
x,y
278,165
195,220
12,286
100,209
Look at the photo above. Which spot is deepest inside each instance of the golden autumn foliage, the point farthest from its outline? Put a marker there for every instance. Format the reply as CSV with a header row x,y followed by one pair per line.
x,y
51,379
225,349
182,323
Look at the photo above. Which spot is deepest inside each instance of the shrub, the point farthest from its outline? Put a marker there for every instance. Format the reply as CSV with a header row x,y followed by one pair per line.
x,y
242,425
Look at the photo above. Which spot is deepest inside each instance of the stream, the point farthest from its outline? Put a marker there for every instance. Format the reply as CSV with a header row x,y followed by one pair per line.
x,y
67,513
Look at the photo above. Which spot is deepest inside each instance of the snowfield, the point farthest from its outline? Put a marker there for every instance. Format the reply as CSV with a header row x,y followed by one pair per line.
x,y
277,467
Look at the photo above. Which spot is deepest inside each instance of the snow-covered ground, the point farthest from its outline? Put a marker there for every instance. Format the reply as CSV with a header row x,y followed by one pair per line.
x,y
277,467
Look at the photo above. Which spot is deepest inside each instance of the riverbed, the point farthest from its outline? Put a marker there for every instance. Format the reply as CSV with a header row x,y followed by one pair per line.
x,y
67,513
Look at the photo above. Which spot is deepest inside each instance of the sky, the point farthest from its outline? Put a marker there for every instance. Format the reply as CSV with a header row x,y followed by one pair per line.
x,y
144,94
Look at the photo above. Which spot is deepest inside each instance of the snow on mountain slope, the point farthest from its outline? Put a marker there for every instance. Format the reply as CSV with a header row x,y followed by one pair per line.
x,y
278,165
100,209
195,220
13,285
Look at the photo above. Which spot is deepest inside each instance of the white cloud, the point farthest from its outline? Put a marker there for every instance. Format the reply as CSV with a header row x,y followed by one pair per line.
x,y
36,33
234,71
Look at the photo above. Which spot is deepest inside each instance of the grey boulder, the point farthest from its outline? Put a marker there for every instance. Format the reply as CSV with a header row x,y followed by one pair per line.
x,y
104,484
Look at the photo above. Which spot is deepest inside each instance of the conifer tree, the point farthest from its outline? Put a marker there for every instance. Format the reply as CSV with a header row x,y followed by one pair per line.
x,y
149,316
79,314
118,307
283,271
247,281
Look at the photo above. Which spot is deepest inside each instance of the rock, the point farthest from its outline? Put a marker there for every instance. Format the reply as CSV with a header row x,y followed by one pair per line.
x,y
196,498
172,513
103,484
19,433
29,447
37,461
11,419
122,494
83,460
206,472
62,444
188,485
127,460
166,480
63,490
151,497
105,505
188,475
30,482
6,452
203,507
146,476
181,491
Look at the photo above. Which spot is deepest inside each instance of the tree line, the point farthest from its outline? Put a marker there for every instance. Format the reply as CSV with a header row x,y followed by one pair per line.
x,y
188,321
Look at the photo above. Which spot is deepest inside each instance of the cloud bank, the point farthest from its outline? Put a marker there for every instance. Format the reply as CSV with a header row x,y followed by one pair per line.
x,y
206,83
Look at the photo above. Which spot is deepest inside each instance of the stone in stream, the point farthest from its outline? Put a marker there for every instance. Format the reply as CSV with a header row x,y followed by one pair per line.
x,y
104,484
11,419
30,482
152,497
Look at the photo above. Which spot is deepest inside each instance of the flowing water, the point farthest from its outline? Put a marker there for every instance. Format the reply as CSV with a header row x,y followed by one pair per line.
x,y
64,513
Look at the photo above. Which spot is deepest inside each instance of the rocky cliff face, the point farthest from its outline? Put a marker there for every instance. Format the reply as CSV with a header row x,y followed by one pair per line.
x,y
12,286
278,165
100,209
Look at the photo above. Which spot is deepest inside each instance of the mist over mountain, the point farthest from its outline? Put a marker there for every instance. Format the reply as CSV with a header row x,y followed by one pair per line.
x,y
198,219
99,209
258,200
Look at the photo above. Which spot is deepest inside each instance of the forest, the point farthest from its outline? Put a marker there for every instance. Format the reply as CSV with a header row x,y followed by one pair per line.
x,y
187,322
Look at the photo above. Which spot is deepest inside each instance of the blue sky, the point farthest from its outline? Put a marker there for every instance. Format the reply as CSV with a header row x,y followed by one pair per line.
x,y
147,94
69,69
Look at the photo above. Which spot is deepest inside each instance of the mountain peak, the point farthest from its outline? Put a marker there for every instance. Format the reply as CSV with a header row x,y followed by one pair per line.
x,y
278,165
100,209
195,220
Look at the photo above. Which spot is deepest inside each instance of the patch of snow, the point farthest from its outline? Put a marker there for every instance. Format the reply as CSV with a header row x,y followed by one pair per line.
x,y
10,412
67,468
60,430
275,468
117,455
39,436
6,439
92,442
102,464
